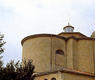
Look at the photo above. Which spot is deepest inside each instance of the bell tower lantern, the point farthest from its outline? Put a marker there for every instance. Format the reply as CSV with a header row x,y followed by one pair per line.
x,y
68,28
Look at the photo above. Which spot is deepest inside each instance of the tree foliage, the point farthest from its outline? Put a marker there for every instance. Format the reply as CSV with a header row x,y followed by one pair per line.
x,y
17,71
1,47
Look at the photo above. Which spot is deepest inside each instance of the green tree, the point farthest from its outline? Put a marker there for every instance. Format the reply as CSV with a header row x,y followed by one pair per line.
x,y
1,48
17,71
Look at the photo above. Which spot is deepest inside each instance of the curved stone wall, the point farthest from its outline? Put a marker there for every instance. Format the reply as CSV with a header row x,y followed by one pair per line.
x,y
42,50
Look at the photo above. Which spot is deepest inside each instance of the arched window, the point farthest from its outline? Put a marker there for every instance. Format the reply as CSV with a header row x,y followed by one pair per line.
x,y
59,51
53,78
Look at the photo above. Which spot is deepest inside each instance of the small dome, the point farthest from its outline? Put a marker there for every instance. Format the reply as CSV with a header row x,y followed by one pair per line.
x,y
93,35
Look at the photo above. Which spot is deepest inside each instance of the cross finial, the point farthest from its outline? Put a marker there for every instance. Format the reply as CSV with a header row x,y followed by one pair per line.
x,y
68,24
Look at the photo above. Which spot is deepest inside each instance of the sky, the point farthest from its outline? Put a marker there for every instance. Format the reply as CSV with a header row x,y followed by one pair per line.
x,y
21,18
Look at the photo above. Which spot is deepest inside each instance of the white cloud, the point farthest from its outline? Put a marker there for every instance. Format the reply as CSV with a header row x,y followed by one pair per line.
x,y
23,6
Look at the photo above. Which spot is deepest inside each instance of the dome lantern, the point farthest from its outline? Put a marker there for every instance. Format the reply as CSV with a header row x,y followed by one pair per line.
x,y
68,28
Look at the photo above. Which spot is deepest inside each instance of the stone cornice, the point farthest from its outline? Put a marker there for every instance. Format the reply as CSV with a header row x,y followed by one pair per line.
x,y
66,70
53,35
72,33
41,35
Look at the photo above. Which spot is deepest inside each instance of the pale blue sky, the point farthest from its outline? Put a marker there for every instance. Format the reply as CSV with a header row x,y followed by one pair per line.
x,y
20,18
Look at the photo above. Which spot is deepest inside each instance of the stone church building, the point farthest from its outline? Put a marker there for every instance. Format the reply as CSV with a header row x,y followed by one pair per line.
x,y
66,56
